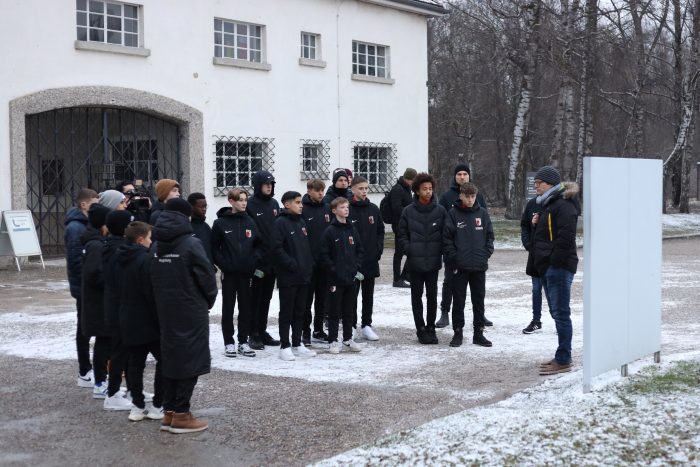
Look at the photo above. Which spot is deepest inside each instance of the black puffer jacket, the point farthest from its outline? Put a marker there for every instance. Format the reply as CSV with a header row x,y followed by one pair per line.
x,y
468,238
554,241
92,315
156,211
317,217
112,294
332,193
366,218
202,231
138,319
341,253
264,209
450,197
184,287
527,233
291,251
76,222
399,197
420,235
235,242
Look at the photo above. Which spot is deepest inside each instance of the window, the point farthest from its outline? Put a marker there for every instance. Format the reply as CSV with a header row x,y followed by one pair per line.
x,y
51,177
377,163
237,159
239,41
315,159
309,46
370,60
136,160
107,22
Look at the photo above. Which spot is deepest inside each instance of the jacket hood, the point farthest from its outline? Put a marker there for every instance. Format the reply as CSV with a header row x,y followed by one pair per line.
x,y
228,212
75,214
571,189
198,220
90,233
306,199
127,252
358,202
259,179
223,211
171,225
424,207
345,225
458,204
404,183
286,213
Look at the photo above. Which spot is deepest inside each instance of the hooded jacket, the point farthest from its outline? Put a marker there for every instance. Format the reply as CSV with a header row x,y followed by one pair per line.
x,y
554,241
366,218
156,210
92,316
75,224
263,209
112,299
333,192
467,238
341,253
451,196
420,235
235,242
202,231
399,197
184,288
291,251
527,233
317,216
138,319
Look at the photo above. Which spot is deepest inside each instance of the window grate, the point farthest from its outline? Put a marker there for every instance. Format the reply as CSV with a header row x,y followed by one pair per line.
x,y
107,22
377,163
315,159
240,41
238,158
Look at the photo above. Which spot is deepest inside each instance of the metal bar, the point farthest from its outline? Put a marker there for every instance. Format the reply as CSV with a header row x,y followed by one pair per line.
x,y
657,357
624,371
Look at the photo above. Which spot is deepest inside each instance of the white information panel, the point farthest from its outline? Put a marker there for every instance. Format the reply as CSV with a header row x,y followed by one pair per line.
x,y
622,262
18,235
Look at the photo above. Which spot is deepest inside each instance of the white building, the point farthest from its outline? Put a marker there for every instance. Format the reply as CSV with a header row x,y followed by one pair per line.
x,y
206,92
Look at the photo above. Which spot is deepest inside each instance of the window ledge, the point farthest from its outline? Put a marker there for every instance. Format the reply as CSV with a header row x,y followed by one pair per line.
x,y
373,79
242,63
310,62
112,48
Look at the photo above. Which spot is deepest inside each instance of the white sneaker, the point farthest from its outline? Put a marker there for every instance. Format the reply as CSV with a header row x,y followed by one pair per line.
x,y
335,347
117,402
245,350
230,350
356,334
369,334
86,381
153,412
99,391
351,346
287,355
302,351
136,414
147,396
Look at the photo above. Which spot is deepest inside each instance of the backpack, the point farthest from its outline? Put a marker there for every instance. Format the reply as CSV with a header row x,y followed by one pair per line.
x,y
385,209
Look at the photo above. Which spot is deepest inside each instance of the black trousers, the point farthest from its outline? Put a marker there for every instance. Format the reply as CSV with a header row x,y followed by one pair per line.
x,y
399,273
316,294
119,362
367,287
177,393
261,295
82,345
446,300
232,286
292,307
100,357
429,281
342,304
477,287
137,363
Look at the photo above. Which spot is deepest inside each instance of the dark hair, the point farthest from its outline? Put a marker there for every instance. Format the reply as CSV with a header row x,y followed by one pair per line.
x,y
290,195
338,201
420,179
235,194
194,197
359,179
120,186
86,194
315,184
468,189
135,230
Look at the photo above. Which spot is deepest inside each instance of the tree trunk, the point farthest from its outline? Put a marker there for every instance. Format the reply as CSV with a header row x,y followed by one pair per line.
x,y
585,134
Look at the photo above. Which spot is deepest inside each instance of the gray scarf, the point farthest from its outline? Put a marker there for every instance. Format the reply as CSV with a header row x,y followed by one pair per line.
x,y
544,197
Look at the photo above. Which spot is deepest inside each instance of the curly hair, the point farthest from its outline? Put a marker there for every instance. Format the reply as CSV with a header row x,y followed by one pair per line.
x,y
420,179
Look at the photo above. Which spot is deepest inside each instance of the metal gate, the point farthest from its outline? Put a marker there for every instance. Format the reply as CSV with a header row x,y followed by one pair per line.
x,y
92,147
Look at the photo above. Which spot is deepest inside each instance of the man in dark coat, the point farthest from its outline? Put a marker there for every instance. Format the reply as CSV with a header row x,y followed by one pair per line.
x,y
263,209
555,258
527,231
366,218
200,228
462,175
340,183
184,288
420,236
400,197
75,224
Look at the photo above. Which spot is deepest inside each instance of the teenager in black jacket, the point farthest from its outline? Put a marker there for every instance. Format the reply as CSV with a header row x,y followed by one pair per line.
x,y
317,216
527,231
420,236
263,208
340,183
366,218
184,288
236,249
200,228
294,266
400,197
468,245
341,256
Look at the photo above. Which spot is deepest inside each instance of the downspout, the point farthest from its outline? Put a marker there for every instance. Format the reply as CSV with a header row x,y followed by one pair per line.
x,y
337,75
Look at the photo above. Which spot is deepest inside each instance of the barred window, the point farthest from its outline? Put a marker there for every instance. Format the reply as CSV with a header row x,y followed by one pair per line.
x,y
315,159
237,40
137,160
51,177
237,159
370,59
107,22
377,163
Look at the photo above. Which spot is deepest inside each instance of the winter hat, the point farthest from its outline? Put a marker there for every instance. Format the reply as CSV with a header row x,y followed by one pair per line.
x,y
97,214
111,199
179,205
337,173
117,221
349,172
548,174
409,174
462,167
164,186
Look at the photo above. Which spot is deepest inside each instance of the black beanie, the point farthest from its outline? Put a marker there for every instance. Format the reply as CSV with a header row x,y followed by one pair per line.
x,y
179,205
462,167
337,173
97,214
548,174
117,221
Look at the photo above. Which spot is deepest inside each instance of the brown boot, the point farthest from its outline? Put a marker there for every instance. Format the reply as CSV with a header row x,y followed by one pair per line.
x,y
186,423
167,420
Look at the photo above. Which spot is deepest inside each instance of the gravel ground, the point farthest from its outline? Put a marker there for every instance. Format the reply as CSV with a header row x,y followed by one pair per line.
x,y
273,420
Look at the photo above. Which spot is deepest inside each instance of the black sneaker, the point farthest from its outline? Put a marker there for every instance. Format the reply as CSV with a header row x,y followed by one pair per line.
x,y
479,339
533,327
306,340
255,343
267,339
487,322
402,284
424,336
432,336
457,338
319,337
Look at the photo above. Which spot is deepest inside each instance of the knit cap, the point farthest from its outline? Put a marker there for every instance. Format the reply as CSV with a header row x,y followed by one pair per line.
x,y
111,199
117,221
409,174
337,173
179,205
163,187
97,214
462,167
548,174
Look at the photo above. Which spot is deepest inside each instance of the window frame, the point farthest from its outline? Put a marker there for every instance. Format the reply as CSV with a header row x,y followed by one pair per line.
x,y
225,28
83,19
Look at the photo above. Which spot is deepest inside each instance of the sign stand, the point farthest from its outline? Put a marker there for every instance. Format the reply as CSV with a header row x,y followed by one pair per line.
x,y
18,236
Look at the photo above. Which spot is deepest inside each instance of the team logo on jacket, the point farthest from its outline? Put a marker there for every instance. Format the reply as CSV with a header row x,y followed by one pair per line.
x,y
248,233
350,240
274,212
303,229
478,221
371,219
327,218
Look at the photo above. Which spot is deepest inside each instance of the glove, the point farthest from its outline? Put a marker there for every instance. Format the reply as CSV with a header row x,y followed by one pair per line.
x,y
259,274
359,276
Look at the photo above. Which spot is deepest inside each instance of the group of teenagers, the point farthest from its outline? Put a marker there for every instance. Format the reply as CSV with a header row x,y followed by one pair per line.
x,y
144,276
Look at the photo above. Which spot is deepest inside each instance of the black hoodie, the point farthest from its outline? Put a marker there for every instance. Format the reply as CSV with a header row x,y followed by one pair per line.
x,y
291,251
184,288
420,235
399,198
235,242
450,197
317,217
138,319
366,218
468,238
202,231
341,253
334,192
264,209
76,222
92,315
111,296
